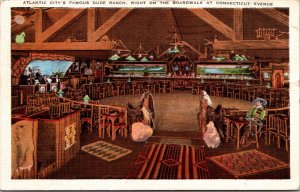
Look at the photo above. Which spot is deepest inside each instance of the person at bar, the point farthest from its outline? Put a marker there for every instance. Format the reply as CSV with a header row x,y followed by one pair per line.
x,y
255,117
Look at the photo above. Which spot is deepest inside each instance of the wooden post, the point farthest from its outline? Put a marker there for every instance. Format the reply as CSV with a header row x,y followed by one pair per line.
x,y
91,23
39,26
238,23
35,139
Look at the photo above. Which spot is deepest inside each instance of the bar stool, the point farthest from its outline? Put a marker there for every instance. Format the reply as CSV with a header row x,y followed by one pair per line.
x,y
230,91
272,127
194,88
283,131
212,89
237,92
163,87
156,87
87,117
219,90
103,124
120,126
169,88
122,89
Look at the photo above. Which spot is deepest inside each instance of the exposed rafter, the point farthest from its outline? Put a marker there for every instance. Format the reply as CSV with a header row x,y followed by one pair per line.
x,y
39,26
110,23
193,49
238,23
277,15
91,23
214,22
251,44
60,24
62,46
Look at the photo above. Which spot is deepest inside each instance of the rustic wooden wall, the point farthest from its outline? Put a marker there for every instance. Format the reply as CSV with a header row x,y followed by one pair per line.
x,y
51,143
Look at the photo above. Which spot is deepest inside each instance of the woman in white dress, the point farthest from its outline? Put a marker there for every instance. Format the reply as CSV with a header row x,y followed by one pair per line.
x,y
147,105
140,131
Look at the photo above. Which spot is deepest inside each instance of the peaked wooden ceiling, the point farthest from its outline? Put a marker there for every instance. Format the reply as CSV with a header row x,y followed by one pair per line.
x,y
84,29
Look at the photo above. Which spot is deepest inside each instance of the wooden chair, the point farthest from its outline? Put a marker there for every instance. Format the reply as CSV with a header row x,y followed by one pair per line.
x,y
95,112
212,89
156,87
30,108
54,110
121,126
103,124
244,93
272,127
194,88
163,87
122,89
137,87
114,90
251,93
65,108
169,87
283,131
86,117
219,89
237,92
263,130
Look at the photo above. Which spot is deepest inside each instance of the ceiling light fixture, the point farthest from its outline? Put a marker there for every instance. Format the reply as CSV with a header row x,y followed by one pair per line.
x,y
19,19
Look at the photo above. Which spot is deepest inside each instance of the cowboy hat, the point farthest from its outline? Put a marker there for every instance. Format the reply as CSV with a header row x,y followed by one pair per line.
x,y
261,100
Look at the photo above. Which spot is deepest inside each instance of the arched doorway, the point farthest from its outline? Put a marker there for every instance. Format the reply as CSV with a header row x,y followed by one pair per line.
x,y
277,79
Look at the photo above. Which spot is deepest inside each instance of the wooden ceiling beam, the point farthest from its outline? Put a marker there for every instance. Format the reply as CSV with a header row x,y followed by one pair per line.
x,y
238,23
214,22
39,26
53,46
91,23
251,44
61,23
110,23
277,15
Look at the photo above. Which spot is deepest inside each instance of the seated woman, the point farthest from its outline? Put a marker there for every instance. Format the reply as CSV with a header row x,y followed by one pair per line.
x,y
217,118
139,130
147,107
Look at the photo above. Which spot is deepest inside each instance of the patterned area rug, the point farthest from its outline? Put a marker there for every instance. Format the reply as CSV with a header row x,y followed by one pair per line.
x,y
105,151
168,161
247,163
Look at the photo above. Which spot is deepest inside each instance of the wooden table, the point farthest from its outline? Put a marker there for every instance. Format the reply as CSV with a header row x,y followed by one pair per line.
x,y
239,122
113,117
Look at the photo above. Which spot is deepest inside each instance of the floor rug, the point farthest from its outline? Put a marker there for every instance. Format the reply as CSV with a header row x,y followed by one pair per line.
x,y
168,161
247,163
105,151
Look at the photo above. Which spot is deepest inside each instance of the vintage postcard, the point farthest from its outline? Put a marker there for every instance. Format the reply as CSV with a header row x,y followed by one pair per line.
x,y
149,94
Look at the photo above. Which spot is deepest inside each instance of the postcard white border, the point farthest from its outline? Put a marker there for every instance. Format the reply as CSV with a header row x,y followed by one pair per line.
x,y
5,137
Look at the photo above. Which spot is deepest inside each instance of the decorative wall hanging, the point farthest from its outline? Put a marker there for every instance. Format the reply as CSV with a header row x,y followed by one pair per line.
x,y
20,38
269,33
70,136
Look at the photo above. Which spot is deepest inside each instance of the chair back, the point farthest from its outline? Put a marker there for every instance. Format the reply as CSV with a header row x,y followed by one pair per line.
x,y
54,110
65,108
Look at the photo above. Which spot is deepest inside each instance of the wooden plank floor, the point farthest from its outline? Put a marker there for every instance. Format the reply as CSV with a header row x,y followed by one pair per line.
x,y
177,111
168,108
